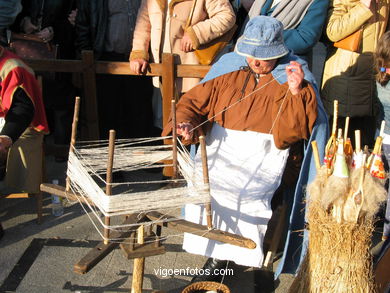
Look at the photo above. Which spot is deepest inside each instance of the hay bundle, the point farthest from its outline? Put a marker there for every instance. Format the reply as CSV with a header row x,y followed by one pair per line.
x,y
340,223
338,257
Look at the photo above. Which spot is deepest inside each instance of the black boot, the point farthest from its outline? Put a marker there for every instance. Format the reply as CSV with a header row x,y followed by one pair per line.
x,y
210,271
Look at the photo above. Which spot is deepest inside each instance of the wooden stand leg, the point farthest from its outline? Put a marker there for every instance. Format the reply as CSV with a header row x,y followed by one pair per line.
x,y
110,163
139,265
206,180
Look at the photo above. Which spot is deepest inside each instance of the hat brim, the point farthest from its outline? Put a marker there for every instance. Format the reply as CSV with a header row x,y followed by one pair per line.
x,y
259,52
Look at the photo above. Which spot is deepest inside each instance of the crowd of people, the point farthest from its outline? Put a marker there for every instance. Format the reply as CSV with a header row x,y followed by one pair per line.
x,y
272,57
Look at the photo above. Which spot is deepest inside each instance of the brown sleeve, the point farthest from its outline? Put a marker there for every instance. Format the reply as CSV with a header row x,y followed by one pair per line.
x,y
193,107
297,116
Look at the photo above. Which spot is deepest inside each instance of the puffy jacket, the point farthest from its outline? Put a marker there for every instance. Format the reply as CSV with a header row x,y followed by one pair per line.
x,y
211,19
348,76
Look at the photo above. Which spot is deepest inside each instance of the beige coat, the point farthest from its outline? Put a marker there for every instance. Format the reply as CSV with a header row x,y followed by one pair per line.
x,y
348,76
211,19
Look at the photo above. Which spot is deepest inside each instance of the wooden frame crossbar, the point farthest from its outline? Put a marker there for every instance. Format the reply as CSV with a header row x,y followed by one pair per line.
x,y
89,67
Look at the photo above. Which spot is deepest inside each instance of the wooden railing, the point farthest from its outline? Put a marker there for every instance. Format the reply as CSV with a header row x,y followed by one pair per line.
x,y
89,67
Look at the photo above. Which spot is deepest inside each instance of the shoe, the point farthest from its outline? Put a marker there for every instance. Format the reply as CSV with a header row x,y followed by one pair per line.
x,y
1,231
211,271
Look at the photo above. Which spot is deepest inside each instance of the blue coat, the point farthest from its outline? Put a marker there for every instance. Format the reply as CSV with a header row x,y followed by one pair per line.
x,y
294,249
303,38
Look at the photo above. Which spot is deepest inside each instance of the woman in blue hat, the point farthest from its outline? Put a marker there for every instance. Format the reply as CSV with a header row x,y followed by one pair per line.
x,y
250,119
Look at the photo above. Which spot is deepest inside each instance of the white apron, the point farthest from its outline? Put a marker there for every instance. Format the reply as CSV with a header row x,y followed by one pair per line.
x,y
245,168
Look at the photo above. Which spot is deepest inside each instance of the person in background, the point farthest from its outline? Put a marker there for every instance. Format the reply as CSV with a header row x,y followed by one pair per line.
x,y
124,101
382,68
348,76
303,21
161,28
25,124
48,20
253,114
9,9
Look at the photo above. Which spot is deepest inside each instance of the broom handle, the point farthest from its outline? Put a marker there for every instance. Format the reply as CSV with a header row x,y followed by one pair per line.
x,y
357,141
378,144
346,129
339,133
335,114
382,131
361,177
316,155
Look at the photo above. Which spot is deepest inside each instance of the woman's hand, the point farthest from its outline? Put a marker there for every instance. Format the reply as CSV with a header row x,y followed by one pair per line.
x,y
186,43
295,77
72,17
185,130
139,65
46,34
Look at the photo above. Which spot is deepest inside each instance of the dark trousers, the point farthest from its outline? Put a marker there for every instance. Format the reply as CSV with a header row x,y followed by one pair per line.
x,y
124,103
366,125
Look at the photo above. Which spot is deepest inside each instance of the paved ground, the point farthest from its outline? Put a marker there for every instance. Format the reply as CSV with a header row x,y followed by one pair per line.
x,y
40,258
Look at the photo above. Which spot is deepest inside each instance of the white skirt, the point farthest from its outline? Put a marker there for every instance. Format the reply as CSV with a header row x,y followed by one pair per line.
x,y
245,168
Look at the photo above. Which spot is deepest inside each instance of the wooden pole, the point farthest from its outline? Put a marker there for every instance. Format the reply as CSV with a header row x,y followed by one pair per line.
x,y
346,126
358,146
73,134
382,130
316,155
335,114
167,91
110,163
89,85
206,180
139,265
176,224
174,140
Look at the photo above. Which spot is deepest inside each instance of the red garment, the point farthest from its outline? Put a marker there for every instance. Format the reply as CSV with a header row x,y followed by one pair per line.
x,y
14,73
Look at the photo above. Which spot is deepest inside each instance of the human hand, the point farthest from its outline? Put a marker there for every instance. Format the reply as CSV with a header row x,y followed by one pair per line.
x,y
72,17
139,65
186,43
295,77
27,26
5,144
46,34
185,130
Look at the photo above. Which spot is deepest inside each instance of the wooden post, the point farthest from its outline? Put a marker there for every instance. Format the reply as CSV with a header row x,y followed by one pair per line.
x,y
110,163
168,93
168,85
174,141
74,134
206,180
89,83
139,265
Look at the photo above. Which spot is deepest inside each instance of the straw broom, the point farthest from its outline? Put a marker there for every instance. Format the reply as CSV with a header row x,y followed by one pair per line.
x,y
338,257
331,145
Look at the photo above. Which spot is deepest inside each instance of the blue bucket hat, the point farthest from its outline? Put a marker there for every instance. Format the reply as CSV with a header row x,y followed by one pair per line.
x,y
262,39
